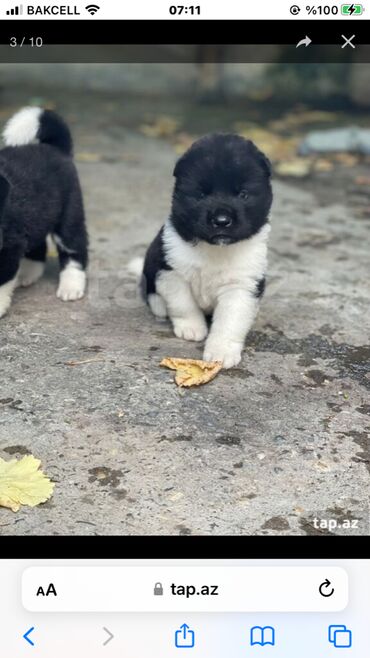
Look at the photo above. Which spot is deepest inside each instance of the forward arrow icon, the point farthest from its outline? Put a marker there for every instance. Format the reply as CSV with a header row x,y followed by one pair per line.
x,y
111,636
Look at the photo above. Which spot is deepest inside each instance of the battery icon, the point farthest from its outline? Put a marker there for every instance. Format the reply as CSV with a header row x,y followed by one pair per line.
x,y
352,10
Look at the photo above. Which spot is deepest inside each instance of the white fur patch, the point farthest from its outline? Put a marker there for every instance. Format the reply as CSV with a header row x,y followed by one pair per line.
x,y
59,242
213,278
6,293
136,266
23,127
233,317
72,282
194,327
230,354
157,305
29,272
187,318
210,269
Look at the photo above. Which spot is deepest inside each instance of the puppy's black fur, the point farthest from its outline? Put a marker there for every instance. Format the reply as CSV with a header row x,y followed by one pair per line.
x,y
155,261
39,195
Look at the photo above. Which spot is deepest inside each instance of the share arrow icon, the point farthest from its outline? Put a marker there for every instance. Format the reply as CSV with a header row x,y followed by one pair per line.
x,y
304,42
185,637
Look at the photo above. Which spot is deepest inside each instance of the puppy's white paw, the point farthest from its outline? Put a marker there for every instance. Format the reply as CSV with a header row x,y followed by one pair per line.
x,y
192,328
4,305
29,272
228,353
6,292
70,293
72,283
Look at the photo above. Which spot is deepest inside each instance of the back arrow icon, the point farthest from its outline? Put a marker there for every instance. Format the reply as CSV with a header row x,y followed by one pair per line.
x,y
28,639
111,636
304,42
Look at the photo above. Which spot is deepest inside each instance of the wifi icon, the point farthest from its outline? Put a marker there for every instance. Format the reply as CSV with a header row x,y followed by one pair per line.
x,y
92,9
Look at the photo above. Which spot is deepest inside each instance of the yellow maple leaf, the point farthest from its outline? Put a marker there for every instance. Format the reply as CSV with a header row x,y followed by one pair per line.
x,y
192,372
22,483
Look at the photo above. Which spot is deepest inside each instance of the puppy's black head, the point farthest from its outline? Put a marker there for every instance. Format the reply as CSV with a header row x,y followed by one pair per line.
x,y
223,191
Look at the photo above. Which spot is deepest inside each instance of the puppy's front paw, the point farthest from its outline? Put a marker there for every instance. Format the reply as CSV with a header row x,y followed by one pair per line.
x,y
72,283
68,293
228,353
192,328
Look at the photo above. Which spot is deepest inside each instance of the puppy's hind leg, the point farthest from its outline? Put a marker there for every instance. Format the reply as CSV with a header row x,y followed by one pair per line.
x,y
72,242
187,318
157,306
9,265
32,265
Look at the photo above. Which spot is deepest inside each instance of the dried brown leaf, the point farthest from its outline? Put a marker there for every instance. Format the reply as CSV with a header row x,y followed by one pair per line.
x,y
192,372
362,180
299,118
323,165
275,146
297,167
87,156
162,126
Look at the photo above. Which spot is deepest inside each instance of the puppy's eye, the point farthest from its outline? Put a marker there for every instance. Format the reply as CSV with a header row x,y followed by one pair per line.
x,y
243,194
202,195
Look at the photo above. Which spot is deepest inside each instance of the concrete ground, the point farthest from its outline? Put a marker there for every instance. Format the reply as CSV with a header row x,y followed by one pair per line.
x,y
263,449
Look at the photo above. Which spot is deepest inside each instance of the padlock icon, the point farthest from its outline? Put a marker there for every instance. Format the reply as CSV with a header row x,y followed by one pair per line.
x,y
158,589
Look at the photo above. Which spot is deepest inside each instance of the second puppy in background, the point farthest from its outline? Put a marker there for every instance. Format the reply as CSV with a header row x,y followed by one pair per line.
x,y
210,257
40,195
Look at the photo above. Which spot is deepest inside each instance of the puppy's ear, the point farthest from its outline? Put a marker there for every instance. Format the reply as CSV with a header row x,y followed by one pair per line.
x,y
190,156
261,157
4,191
180,165
265,162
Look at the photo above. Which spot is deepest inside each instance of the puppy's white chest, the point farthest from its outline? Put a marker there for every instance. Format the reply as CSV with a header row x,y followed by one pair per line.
x,y
206,282
212,270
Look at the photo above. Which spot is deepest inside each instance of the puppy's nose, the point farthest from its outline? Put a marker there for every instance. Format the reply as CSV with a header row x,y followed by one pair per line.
x,y
221,221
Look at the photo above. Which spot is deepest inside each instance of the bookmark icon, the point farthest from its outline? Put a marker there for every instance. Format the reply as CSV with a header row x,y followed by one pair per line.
x,y
263,635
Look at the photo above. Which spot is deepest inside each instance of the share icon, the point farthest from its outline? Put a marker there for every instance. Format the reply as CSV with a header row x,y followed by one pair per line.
x,y
304,42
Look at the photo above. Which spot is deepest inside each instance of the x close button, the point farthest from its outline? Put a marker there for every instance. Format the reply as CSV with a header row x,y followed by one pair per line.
x,y
348,41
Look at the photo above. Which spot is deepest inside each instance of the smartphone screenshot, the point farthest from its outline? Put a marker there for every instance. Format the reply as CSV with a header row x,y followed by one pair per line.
x,y
184,329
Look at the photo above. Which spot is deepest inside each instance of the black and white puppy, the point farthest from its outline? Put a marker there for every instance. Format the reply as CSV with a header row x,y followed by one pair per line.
x,y
210,257
40,194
